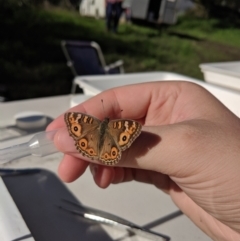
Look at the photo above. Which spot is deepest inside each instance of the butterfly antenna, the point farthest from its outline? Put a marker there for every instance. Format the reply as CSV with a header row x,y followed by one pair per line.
x,y
103,107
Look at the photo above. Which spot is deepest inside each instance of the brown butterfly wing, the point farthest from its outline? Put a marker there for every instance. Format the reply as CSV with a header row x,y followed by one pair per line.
x,y
84,129
119,136
124,132
110,153
106,146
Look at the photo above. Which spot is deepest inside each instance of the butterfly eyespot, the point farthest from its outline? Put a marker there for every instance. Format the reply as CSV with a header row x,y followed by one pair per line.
x,y
83,143
114,152
124,137
90,151
75,128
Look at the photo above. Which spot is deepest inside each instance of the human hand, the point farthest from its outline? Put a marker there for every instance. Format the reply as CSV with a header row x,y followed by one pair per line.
x,y
189,148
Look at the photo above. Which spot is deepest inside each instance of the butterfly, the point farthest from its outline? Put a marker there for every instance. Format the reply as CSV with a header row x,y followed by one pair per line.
x,y
102,140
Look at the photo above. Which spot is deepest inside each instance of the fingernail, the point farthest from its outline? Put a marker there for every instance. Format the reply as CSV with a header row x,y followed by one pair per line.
x,y
93,169
64,142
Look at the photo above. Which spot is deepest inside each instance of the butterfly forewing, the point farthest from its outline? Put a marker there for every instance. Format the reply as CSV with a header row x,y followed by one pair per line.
x,y
85,131
80,124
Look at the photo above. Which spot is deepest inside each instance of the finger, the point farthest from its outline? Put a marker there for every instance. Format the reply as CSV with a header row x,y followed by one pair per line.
x,y
166,102
71,168
139,148
121,102
161,181
102,175
119,175
105,175
158,148
140,155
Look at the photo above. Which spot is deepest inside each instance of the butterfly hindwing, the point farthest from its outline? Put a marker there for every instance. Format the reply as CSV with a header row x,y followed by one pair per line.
x,y
109,153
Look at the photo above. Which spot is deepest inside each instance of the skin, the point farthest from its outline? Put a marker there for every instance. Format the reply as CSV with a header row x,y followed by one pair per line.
x,y
189,148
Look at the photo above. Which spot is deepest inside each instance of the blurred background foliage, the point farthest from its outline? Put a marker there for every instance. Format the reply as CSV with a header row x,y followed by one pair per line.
x,y
32,63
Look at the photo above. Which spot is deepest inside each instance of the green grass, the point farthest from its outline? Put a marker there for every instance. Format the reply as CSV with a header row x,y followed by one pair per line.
x,y
209,29
32,63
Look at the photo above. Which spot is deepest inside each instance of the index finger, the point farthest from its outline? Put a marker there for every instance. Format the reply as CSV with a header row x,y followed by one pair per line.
x,y
123,102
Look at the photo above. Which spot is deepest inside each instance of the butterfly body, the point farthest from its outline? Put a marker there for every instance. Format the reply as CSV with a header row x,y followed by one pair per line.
x,y
103,140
